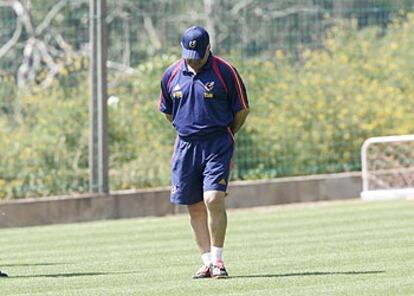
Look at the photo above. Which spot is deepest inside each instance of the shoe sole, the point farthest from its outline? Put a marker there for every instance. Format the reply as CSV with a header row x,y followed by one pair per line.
x,y
220,277
201,278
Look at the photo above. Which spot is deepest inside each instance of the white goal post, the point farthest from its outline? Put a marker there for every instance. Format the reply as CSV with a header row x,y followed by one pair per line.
x,y
388,168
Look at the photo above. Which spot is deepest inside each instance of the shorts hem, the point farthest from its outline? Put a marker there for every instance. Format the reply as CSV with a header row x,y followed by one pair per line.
x,y
215,189
184,203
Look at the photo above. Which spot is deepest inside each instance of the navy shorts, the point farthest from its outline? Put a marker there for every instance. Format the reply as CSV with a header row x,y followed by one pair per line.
x,y
200,165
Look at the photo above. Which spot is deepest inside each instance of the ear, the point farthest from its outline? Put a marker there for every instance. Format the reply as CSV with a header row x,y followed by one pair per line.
x,y
207,51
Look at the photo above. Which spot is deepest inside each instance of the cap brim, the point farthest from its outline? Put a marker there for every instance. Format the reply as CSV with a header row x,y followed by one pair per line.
x,y
191,54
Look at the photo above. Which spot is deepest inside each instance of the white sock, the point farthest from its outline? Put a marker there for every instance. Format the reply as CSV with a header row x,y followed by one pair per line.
x,y
216,254
206,257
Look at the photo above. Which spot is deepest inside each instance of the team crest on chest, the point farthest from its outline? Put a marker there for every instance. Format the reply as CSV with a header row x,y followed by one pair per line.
x,y
177,93
208,94
209,85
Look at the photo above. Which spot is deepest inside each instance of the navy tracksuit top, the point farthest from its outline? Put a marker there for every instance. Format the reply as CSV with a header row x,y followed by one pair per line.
x,y
205,103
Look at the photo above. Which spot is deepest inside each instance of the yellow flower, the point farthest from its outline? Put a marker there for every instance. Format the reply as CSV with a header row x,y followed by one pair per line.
x,y
280,54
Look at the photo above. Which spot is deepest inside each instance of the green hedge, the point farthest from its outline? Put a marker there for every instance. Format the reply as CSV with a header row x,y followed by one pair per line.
x,y
306,118
314,118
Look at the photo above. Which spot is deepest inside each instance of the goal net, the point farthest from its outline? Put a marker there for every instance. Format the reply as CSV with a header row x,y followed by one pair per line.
x,y
388,168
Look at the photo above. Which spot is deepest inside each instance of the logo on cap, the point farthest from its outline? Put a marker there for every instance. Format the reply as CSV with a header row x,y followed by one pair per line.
x,y
192,44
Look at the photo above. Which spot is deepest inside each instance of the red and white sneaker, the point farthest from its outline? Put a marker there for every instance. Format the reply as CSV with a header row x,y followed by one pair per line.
x,y
202,273
218,271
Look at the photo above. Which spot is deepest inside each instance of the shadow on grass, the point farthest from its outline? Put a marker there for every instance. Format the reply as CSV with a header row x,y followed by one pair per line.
x,y
310,273
34,264
68,275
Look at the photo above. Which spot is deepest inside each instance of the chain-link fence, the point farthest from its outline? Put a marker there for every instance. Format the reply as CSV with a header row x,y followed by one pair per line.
x,y
322,76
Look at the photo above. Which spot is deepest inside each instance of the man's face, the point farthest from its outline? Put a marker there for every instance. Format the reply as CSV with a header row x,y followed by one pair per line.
x,y
195,64
199,63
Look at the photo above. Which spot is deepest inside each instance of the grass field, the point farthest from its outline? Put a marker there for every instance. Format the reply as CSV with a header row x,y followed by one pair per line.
x,y
336,248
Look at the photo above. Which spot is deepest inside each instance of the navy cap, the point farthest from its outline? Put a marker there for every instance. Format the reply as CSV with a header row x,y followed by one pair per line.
x,y
194,43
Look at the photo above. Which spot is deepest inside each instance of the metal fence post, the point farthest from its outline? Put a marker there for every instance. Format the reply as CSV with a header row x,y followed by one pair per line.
x,y
98,139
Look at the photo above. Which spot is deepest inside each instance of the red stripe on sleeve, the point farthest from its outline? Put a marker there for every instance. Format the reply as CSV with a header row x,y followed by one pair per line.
x,y
173,73
218,73
236,78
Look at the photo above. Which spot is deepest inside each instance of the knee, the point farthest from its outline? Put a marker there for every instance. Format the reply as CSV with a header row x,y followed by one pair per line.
x,y
214,200
197,210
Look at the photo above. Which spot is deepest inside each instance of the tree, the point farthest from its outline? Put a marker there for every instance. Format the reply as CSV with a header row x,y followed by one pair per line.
x,y
44,48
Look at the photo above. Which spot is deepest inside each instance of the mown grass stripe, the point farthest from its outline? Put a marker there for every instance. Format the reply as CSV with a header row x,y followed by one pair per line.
x,y
339,248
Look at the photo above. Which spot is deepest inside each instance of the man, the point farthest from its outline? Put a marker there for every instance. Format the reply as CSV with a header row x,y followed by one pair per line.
x,y
205,99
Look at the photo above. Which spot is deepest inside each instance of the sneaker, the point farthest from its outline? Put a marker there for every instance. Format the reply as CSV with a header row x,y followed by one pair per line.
x,y
2,274
218,271
202,273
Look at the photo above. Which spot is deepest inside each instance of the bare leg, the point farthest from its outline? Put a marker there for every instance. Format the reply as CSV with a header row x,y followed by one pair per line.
x,y
217,217
198,216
